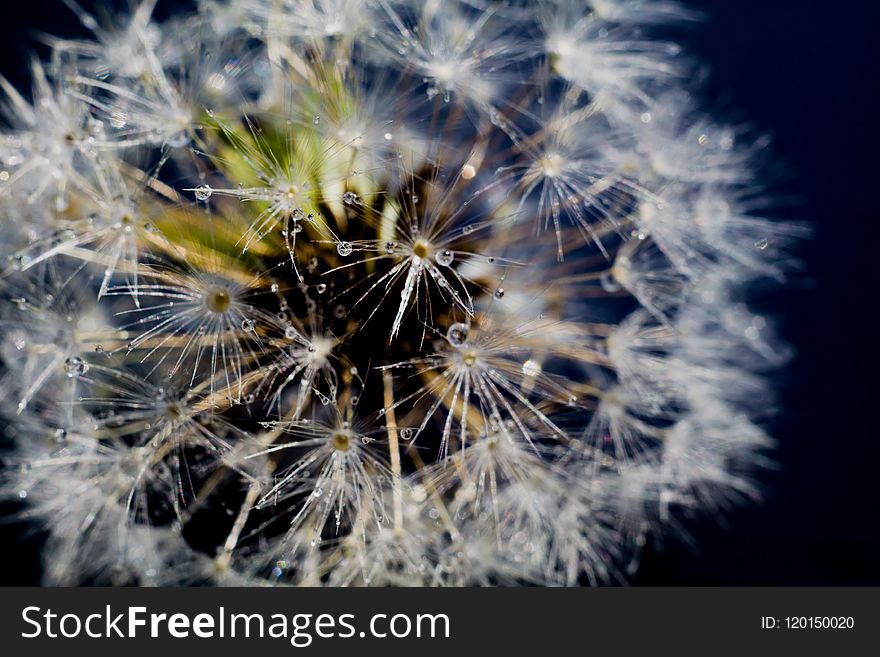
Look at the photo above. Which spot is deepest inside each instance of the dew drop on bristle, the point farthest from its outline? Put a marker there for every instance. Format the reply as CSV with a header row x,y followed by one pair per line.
x,y
531,368
203,192
75,366
444,257
350,198
344,248
457,334
499,293
609,283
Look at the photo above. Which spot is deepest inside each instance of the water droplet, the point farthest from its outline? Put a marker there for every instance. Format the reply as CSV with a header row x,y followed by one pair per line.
x,y
318,492
203,192
457,334
608,283
350,198
499,293
60,434
762,244
344,248
390,247
444,257
531,368
339,311
407,434
274,287
75,366
321,288
297,228
247,325
316,119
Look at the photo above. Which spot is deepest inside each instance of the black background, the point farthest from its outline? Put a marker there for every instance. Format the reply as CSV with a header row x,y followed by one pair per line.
x,y
809,75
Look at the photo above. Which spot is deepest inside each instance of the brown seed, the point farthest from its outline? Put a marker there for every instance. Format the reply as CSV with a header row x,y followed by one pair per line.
x,y
341,442
218,300
421,249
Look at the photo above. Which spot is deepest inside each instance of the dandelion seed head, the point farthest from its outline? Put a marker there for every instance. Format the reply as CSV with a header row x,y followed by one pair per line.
x,y
380,293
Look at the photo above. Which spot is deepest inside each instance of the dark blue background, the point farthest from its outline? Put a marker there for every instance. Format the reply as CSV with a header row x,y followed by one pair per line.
x,y
808,74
